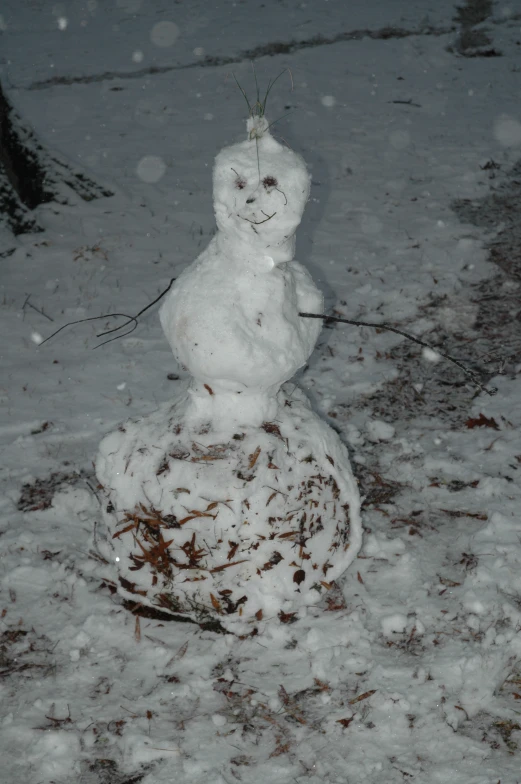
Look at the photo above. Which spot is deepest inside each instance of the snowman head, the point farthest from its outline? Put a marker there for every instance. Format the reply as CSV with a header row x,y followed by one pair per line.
x,y
260,190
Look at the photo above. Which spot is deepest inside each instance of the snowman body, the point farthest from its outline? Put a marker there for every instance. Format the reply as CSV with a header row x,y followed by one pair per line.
x,y
235,501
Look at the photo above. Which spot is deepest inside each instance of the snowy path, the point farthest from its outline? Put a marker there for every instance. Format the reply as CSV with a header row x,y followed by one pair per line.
x,y
412,670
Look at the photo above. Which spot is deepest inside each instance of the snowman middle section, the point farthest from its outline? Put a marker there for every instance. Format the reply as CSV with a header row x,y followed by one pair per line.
x,y
232,320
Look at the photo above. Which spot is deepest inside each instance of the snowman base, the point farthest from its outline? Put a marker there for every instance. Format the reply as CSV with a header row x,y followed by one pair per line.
x,y
214,520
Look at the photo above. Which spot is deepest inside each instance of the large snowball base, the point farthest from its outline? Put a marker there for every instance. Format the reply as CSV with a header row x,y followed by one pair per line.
x,y
237,523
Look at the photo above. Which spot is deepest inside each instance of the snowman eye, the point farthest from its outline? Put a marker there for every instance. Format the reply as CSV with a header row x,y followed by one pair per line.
x,y
270,182
240,182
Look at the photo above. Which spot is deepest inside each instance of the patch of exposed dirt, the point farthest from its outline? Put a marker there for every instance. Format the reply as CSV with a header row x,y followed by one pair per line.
x,y
473,40
23,652
496,733
492,345
374,489
106,771
499,210
473,12
38,495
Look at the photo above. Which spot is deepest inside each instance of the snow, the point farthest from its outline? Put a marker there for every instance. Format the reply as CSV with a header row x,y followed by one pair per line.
x,y
380,431
432,701
430,355
392,624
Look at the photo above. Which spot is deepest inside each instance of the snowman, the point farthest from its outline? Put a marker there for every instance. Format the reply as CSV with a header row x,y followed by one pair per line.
x,y
235,502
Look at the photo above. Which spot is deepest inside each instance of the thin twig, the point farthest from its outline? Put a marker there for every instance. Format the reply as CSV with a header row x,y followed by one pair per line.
x,y
80,321
256,82
130,319
390,328
258,157
407,103
34,308
243,92
134,318
116,337
279,190
279,119
270,85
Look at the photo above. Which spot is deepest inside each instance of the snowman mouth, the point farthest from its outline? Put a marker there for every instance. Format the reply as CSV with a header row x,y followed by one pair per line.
x,y
256,219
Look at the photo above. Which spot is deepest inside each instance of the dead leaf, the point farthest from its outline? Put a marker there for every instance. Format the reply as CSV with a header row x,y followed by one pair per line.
x,y
287,617
449,583
254,457
272,496
222,567
284,696
458,707
280,749
359,578
194,513
216,604
335,604
322,685
124,530
209,389
363,696
299,576
273,561
271,427
457,513
164,466
137,629
181,652
233,549
345,722
482,421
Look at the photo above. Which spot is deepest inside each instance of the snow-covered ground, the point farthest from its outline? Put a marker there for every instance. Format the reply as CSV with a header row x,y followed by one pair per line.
x,y
411,670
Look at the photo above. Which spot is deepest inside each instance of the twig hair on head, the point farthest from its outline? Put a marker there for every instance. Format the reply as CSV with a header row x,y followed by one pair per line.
x,y
257,123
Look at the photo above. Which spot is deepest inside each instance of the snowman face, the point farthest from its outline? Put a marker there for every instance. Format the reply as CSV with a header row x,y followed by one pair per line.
x,y
260,191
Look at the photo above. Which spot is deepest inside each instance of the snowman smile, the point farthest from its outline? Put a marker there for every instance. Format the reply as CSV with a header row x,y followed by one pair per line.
x,y
255,218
